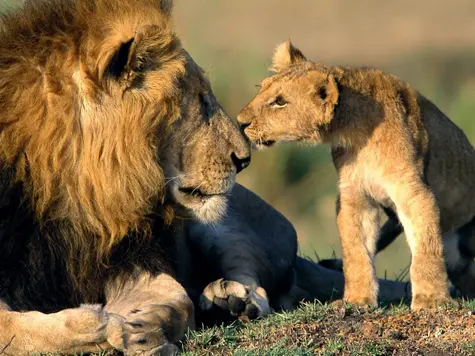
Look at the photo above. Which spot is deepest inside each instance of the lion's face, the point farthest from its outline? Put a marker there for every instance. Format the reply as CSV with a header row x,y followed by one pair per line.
x,y
104,117
114,119
186,141
295,104
205,151
169,107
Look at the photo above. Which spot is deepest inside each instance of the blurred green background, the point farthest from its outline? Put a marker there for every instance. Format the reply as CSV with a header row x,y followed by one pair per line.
x,y
428,43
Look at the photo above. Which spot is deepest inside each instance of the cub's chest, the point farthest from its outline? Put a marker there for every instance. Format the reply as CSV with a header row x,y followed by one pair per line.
x,y
377,192
362,176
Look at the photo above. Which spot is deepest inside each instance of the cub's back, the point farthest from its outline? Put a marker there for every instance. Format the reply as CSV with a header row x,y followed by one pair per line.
x,y
449,157
451,166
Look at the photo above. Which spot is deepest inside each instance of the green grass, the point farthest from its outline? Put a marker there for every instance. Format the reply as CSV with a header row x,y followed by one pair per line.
x,y
322,330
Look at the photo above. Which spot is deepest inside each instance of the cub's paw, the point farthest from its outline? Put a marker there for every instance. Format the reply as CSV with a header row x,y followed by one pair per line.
x,y
240,301
148,331
343,307
423,301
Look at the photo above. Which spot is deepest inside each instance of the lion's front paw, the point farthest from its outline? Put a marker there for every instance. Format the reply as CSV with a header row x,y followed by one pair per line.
x,y
163,350
239,300
85,319
148,331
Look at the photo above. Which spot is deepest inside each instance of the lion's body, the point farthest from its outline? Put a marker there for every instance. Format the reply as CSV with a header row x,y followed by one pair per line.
x,y
109,132
70,170
391,147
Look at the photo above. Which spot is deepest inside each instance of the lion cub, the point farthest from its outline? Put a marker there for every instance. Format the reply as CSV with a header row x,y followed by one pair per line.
x,y
392,149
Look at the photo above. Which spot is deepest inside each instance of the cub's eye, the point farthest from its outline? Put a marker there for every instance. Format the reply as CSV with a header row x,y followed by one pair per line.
x,y
279,102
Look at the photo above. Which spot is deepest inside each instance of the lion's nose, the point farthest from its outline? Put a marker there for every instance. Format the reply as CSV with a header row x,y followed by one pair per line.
x,y
240,163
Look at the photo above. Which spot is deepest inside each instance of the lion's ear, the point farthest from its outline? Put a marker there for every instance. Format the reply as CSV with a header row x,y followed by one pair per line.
x,y
120,59
286,55
112,60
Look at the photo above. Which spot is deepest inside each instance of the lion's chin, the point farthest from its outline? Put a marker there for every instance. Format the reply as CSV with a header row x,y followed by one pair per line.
x,y
211,210
206,209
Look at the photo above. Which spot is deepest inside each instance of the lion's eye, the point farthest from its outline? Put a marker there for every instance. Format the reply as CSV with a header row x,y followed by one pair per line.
x,y
206,105
279,102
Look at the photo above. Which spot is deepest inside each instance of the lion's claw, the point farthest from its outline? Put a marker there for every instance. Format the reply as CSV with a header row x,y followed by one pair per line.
x,y
145,333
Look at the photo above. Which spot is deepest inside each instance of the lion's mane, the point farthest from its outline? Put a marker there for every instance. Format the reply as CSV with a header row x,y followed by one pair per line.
x,y
86,181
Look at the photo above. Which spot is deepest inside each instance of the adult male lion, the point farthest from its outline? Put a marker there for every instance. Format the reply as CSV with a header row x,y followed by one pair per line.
x,y
106,124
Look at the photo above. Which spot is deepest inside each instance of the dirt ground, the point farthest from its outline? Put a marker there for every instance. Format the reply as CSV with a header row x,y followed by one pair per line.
x,y
323,330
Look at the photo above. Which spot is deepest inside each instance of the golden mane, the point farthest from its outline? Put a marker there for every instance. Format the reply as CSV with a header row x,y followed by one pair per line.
x,y
82,155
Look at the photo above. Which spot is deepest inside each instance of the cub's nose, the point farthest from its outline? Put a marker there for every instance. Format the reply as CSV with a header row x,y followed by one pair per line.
x,y
243,120
243,126
240,163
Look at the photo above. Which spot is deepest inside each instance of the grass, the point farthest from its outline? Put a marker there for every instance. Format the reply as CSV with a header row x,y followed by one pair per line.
x,y
319,329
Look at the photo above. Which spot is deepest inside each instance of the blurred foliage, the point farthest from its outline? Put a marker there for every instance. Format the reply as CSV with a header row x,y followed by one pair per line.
x,y
301,181
428,43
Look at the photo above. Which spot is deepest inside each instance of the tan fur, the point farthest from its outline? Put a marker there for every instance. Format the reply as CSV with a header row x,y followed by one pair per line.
x,y
391,147
81,329
109,124
69,131
159,324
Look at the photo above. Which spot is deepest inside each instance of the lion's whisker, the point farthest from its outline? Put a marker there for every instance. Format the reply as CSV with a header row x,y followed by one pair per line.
x,y
197,187
171,179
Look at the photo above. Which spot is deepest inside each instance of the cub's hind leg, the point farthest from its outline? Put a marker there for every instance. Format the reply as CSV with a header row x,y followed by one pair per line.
x,y
4,305
419,214
391,229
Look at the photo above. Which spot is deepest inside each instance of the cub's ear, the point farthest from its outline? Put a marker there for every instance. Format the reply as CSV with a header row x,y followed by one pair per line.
x,y
329,92
286,55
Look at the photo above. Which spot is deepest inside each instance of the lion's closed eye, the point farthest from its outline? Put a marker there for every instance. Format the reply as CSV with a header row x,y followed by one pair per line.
x,y
206,105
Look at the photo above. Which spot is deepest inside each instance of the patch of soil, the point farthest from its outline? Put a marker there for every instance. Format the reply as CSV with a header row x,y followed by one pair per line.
x,y
357,332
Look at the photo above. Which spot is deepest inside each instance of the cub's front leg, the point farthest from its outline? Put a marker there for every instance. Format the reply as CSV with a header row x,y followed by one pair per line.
x,y
155,310
357,219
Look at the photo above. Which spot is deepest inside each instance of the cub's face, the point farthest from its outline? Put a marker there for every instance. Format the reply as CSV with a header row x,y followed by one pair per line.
x,y
295,104
205,151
